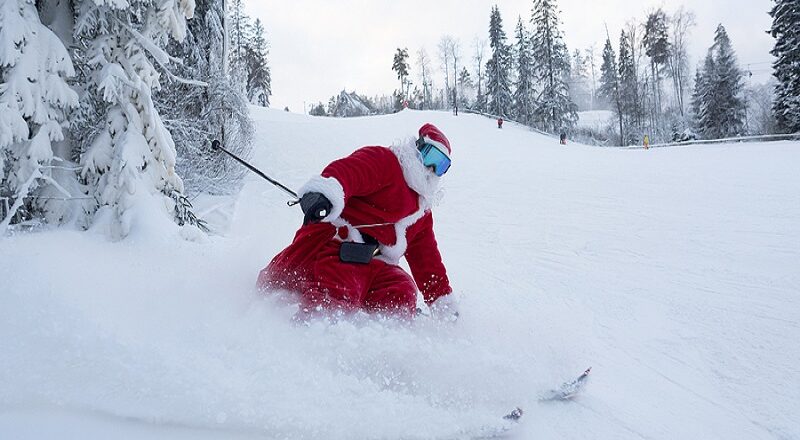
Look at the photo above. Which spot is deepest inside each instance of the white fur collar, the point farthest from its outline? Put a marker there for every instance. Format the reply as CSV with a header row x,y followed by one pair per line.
x,y
417,176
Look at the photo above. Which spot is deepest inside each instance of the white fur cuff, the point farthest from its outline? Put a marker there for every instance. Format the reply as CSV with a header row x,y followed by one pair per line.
x,y
330,188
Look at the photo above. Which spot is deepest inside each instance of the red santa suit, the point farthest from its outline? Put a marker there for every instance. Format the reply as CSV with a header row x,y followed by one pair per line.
x,y
388,194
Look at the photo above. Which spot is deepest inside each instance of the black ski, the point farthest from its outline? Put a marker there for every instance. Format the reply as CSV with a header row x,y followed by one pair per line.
x,y
567,390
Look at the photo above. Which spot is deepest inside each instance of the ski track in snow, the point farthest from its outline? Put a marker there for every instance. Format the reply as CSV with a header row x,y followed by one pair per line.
x,y
673,272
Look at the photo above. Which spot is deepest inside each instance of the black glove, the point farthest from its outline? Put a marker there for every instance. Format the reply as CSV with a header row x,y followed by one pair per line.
x,y
315,206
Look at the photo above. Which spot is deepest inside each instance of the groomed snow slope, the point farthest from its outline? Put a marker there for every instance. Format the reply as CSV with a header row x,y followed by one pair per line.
x,y
675,273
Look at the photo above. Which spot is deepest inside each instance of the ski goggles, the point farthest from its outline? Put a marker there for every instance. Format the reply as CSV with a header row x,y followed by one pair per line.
x,y
433,157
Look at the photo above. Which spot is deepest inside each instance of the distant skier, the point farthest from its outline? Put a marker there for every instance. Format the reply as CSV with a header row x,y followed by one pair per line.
x,y
362,215
499,122
563,139
646,142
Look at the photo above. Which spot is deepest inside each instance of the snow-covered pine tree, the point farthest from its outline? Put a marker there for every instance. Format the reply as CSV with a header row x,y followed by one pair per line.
x,y
239,30
524,92
318,110
702,94
722,111
401,66
608,90
609,84
130,163
259,81
466,88
657,48
555,110
630,105
786,30
34,97
729,87
499,100
197,114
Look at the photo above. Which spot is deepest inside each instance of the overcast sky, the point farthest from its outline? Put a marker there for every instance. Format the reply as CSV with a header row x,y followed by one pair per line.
x,y
319,47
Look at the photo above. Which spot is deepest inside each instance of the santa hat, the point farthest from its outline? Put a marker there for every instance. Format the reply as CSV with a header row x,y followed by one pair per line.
x,y
432,135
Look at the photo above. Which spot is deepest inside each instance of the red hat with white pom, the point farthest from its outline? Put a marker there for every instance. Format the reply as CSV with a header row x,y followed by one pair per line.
x,y
429,134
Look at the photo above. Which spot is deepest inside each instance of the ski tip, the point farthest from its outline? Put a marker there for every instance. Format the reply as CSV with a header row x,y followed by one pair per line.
x,y
514,415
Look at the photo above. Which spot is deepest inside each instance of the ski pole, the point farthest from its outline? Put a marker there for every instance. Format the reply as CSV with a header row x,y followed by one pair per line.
x,y
215,144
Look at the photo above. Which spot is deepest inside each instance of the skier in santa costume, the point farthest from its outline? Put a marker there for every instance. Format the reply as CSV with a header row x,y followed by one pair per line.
x,y
362,215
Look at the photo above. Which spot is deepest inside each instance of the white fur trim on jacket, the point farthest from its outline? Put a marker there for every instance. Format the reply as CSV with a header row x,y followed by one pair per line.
x,y
330,188
393,254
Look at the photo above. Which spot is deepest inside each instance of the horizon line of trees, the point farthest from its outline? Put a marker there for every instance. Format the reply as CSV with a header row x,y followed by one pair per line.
x,y
644,78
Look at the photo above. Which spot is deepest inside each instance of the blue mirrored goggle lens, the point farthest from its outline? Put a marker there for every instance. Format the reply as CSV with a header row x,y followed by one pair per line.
x,y
431,156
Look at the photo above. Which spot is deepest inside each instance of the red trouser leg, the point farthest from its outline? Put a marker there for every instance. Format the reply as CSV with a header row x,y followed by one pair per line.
x,y
311,266
334,284
374,287
391,291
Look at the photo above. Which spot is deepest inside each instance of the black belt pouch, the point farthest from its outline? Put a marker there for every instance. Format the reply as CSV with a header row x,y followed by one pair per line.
x,y
359,253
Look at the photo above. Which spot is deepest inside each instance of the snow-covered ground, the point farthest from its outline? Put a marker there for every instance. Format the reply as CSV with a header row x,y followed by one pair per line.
x,y
675,273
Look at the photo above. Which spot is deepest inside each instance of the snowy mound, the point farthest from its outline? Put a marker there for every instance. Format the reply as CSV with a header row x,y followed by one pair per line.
x,y
672,272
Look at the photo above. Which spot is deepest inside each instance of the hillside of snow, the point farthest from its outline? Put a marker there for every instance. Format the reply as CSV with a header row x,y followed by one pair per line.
x,y
674,273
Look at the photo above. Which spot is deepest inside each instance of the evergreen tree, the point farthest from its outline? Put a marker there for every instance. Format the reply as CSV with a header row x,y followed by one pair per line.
x,y
524,94
480,101
609,84
630,105
657,48
401,66
702,94
259,87
239,30
786,30
720,107
729,86
609,76
498,84
210,107
249,68
555,110
318,110
130,163
34,97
